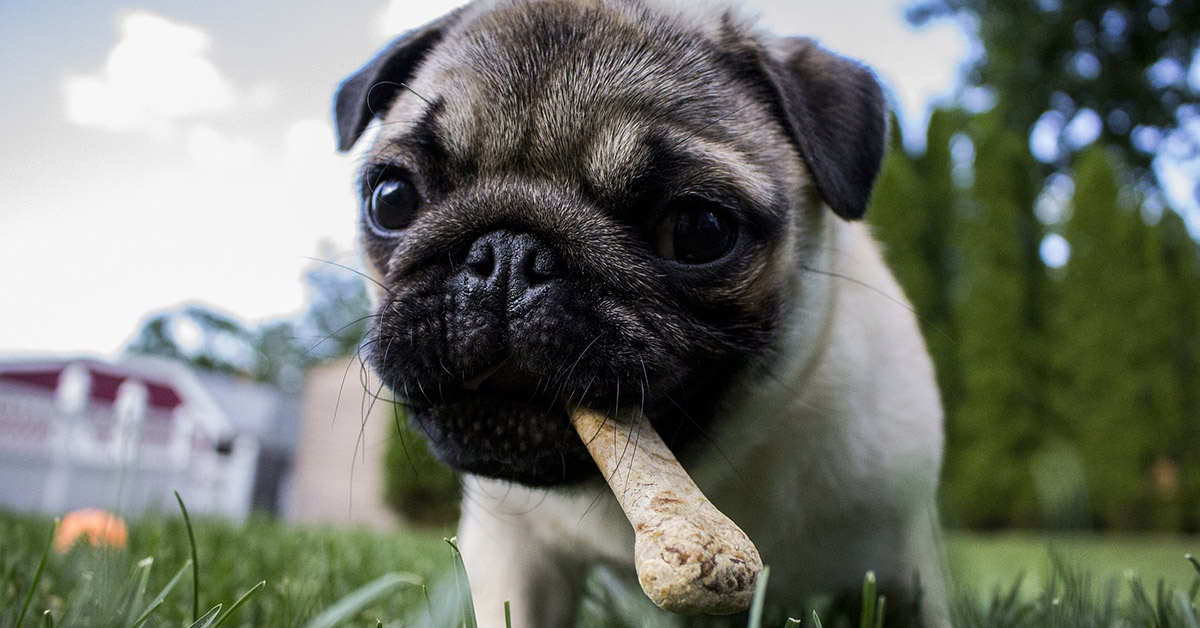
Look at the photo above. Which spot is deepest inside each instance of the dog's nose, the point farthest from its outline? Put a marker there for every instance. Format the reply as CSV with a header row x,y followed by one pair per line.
x,y
510,263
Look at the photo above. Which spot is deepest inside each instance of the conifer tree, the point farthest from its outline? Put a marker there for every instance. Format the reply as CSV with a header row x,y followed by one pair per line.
x,y
999,420
1182,259
1117,387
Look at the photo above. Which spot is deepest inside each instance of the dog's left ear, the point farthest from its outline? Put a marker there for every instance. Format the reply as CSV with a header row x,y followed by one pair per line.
x,y
368,93
834,110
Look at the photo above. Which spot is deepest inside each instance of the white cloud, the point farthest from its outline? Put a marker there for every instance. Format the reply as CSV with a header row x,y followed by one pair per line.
x,y
157,73
227,220
212,150
404,15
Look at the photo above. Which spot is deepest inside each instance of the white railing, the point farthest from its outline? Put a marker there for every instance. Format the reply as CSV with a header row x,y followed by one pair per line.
x,y
58,462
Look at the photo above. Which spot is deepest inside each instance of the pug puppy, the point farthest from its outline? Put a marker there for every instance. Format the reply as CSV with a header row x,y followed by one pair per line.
x,y
628,203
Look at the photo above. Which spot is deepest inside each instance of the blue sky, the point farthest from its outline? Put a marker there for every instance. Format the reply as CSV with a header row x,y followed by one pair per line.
x,y
162,152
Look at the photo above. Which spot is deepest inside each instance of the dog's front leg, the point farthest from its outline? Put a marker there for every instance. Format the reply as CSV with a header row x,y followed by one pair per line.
x,y
506,562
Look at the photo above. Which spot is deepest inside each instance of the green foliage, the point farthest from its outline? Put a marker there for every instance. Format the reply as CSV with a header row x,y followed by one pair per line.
x,y
1182,259
1071,394
277,352
220,343
417,486
998,418
1065,56
1116,385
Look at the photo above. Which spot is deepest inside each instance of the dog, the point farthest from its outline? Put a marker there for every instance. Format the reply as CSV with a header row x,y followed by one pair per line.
x,y
628,203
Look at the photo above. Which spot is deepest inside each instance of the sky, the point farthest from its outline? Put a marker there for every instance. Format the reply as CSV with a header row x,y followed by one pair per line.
x,y
162,153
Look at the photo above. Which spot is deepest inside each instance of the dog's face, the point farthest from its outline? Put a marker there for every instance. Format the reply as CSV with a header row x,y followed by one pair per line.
x,y
580,201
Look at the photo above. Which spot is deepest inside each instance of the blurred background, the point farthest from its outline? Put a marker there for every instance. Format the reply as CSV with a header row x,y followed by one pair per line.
x,y
180,303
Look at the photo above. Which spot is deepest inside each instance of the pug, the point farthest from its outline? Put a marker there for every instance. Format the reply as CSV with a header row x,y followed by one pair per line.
x,y
633,204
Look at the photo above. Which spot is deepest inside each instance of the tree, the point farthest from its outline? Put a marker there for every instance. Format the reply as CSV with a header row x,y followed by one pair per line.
x,y
338,314
1116,386
998,426
1125,65
201,336
276,352
1182,257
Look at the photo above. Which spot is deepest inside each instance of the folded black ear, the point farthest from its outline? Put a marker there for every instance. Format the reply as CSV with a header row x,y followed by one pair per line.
x,y
368,93
834,109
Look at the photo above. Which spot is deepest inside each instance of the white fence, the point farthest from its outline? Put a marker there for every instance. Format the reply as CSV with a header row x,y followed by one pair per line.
x,y
122,456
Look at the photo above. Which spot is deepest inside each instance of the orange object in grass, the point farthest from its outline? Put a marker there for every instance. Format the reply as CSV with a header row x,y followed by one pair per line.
x,y
100,527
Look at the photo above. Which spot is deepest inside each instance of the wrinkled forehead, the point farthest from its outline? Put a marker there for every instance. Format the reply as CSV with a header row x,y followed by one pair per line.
x,y
571,86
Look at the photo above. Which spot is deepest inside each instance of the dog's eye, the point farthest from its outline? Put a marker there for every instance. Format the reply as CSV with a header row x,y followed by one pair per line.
x,y
697,231
394,202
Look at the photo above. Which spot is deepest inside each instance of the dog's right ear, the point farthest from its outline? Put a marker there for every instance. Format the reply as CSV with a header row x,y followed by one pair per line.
x,y
835,111
368,93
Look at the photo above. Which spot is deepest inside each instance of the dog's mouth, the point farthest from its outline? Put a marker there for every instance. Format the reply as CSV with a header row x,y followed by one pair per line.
x,y
505,381
505,422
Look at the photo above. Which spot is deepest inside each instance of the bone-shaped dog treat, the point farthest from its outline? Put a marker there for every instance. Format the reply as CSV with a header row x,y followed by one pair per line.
x,y
690,558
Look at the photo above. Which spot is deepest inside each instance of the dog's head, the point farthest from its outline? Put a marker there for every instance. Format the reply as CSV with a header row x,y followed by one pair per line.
x,y
598,201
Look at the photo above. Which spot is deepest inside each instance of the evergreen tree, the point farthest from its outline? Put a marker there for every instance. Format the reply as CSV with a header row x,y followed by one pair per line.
x,y
1117,387
1126,62
998,423
1182,257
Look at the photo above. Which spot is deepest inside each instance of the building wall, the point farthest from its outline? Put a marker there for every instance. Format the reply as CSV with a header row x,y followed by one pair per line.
x,y
338,468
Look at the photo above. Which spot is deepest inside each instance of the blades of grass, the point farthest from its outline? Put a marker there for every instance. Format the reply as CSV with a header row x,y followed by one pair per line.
x,y
48,619
37,575
241,600
358,599
816,620
1186,610
464,587
880,611
760,596
206,621
162,595
428,602
507,614
792,623
142,576
867,619
759,602
1139,595
1195,590
1163,605
187,522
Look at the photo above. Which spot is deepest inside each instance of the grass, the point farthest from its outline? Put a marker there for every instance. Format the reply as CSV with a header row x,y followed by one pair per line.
x,y
984,562
307,570
265,573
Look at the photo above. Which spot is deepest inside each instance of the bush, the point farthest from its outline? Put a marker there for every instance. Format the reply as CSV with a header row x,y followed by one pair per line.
x,y
417,486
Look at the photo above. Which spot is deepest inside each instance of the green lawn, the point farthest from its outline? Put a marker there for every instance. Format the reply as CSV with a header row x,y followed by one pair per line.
x,y
981,563
308,570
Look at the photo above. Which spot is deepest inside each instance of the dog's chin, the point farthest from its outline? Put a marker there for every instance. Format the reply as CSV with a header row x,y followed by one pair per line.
x,y
525,438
